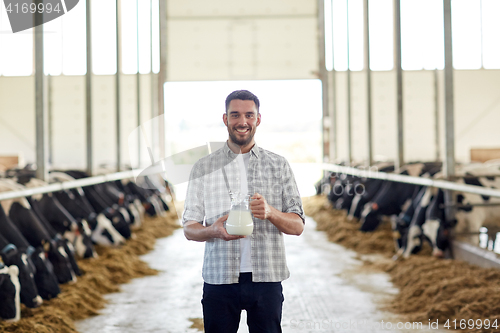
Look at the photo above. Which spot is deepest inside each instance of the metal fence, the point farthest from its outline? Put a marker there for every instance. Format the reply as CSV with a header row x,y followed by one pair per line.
x,y
447,185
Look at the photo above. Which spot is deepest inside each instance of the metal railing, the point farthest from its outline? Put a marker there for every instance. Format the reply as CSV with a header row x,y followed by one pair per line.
x,y
363,173
447,185
67,185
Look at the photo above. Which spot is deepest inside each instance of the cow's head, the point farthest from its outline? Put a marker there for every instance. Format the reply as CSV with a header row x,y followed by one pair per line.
x,y
60,261
136,215
370,217
104,233
10,307
438,231
45,278
26,274
118,222
81,240
412,241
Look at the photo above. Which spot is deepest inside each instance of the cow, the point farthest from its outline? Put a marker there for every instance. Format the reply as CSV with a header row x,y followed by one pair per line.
x,y
10,307
370,188
149,201
437,228
159,188
401,225
57,220
45,208
45,279
20,212
471,218
133,198
102,230
394,197
126,203
101,203
11,256
365,190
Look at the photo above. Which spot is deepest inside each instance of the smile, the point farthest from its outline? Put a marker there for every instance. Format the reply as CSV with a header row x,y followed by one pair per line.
x,y
242,130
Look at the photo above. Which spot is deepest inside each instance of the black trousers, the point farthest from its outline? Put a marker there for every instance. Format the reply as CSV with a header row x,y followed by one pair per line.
x,y
222,305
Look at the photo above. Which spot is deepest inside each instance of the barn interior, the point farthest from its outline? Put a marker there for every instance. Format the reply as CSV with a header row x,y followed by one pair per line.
x,y
123,90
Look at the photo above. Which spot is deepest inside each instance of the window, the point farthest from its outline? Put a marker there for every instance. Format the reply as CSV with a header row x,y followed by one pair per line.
x,y
422,35
490,29
381,35
16,50
104,36
466,33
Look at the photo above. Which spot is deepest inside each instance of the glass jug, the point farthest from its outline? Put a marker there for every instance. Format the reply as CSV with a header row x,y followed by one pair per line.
x,y
239,221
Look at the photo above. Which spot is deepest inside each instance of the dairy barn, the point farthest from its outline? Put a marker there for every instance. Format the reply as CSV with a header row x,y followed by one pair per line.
x,y
116,138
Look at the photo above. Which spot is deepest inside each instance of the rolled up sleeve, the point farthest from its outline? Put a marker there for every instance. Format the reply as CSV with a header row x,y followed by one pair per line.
x,y
291,196
194,204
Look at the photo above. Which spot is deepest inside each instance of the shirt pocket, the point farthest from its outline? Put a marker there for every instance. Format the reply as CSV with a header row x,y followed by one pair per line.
x,y
268,183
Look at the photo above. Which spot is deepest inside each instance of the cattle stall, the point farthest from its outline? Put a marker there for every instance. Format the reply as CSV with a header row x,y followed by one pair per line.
x,y
462,251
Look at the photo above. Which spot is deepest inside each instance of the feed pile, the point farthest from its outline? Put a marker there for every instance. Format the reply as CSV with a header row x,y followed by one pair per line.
x,y
101,275
429,288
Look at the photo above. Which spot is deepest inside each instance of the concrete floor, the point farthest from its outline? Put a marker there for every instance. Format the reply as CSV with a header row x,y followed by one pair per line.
x,y
328,291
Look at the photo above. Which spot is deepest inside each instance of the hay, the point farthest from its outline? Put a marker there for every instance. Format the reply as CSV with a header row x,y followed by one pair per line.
x,y
197,323
345,232
429,288
101,275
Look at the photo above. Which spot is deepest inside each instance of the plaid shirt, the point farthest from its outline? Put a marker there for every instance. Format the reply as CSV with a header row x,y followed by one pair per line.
x,y
208,199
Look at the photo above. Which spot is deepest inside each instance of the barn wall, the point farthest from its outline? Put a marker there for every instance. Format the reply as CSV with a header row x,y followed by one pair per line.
x,y
235,40
17,118
477,115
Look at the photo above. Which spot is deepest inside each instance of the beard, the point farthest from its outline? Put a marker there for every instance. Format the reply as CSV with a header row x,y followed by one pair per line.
x,y
244,141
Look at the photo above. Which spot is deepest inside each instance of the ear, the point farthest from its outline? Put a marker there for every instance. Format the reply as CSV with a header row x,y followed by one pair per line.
x,y
224,119
258,119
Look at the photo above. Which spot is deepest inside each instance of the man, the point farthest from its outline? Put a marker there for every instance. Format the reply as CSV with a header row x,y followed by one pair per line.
x,y
242,272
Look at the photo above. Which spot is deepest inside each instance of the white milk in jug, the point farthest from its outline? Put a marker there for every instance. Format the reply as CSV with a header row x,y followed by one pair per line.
x,y
239,222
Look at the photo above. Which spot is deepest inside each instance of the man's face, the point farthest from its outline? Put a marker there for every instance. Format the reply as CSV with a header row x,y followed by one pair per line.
x,y
241,120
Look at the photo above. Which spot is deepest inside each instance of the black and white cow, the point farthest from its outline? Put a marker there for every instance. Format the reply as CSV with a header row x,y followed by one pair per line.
x,y
149,201
10,289
159,187
437,228
394,197
12,257
44,277
57,220
367,188
102,230
101,203
471,218
20,212
423,221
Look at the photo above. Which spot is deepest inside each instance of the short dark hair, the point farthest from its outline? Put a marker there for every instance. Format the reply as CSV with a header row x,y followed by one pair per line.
x,y
244,95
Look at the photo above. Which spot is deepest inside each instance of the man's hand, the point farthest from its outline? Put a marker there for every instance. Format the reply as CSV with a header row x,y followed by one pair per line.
x,y
197,232
260,208
288,223
218,230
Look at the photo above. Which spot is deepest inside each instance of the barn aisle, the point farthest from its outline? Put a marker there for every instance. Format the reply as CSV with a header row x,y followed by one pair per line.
x,y
328,289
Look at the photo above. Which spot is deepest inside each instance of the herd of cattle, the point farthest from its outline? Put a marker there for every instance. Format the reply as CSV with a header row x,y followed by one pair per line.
x,y
417,213
41,235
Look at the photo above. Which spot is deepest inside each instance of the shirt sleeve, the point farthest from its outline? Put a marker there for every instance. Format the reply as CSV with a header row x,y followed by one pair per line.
x,y
291,197
194,208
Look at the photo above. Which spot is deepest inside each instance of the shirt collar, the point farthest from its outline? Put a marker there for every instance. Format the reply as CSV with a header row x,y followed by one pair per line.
x,y
228,151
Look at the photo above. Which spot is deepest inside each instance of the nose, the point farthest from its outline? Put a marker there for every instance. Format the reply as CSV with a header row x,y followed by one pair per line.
x,y
242,122
38,301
